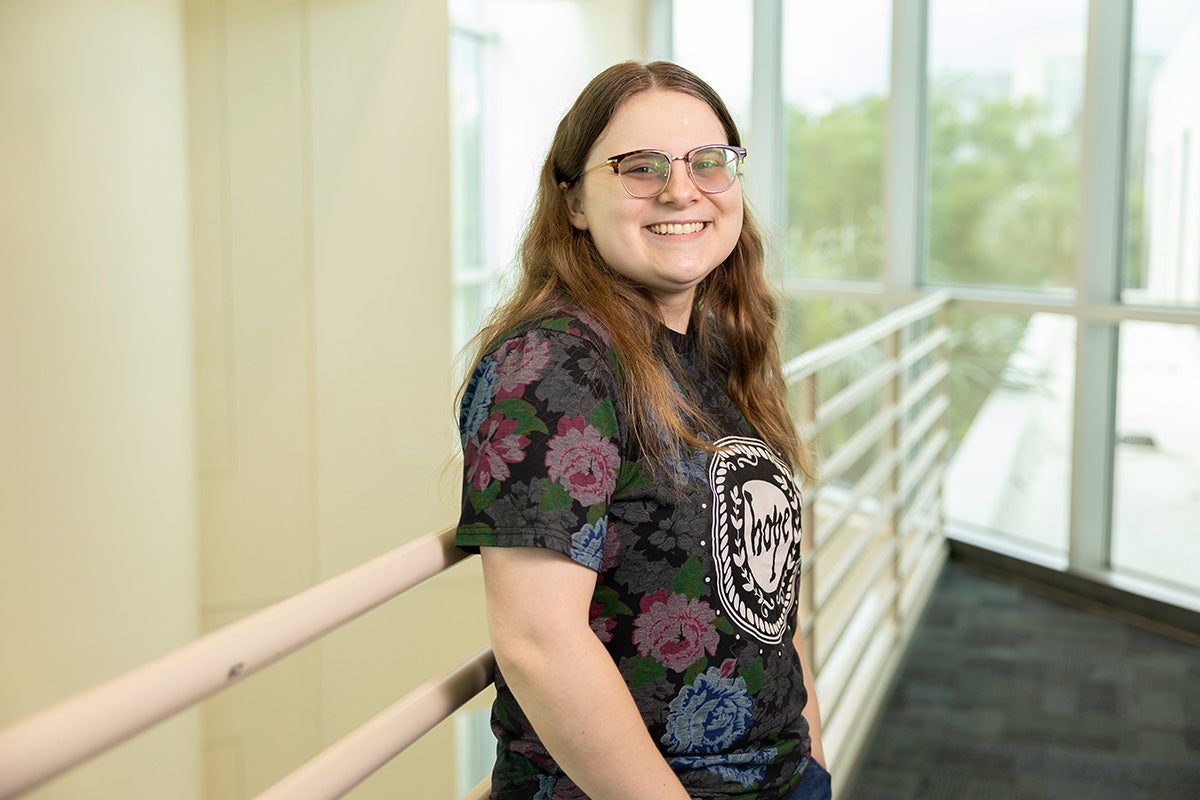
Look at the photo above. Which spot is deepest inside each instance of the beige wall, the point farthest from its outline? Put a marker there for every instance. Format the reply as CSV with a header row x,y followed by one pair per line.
x,y
320,153
224,289
97,497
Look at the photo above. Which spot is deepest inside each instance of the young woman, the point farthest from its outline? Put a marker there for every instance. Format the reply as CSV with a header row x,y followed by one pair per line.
x,y
628,473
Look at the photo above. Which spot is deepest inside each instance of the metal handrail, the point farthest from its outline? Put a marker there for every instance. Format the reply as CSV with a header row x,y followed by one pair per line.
x,y
819,357
354,757
65,735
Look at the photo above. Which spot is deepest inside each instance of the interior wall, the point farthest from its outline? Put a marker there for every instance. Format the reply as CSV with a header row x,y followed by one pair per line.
x,y
97,499
320,164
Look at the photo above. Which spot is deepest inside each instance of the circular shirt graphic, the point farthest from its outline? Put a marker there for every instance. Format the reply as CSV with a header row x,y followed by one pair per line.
x,y
756,536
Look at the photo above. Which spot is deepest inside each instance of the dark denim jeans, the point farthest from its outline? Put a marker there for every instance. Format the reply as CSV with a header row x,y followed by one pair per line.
x,y
814,783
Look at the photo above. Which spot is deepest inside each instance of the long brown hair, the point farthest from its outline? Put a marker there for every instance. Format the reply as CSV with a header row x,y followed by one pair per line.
x,y
734,316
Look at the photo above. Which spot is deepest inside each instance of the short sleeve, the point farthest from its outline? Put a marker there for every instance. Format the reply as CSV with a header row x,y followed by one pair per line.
x,y
541,447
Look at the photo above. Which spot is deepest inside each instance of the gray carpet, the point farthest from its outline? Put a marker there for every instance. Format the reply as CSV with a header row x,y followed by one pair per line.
x,y
1012,691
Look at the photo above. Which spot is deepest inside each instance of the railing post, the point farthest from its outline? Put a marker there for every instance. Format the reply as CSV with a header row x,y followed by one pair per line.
x,y
809,403
943,392
894,388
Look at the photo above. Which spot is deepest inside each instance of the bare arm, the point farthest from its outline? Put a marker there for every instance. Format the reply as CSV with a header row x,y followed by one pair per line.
x,y
564,679
812,711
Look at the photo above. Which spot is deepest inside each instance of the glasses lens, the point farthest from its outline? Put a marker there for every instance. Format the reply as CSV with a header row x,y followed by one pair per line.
x,y
644,174
714,168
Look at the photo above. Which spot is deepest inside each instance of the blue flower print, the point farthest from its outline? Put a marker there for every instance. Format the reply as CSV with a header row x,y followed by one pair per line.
x,y
587,543
747,767
477,399
746,776
710,715
692,467
545,788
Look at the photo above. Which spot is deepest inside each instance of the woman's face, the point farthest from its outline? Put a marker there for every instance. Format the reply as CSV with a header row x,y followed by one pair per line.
x,y
671,242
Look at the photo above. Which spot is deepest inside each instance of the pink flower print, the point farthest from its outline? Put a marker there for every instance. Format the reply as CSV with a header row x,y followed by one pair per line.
x,y
675,631
601,625
612,547
520,362
583,461
492,449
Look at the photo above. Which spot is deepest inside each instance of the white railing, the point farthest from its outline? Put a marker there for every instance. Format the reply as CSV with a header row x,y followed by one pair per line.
x,y
873,544
872,548
66,735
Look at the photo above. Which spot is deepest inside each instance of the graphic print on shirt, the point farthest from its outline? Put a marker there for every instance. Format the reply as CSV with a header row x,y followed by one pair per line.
x,y
755,536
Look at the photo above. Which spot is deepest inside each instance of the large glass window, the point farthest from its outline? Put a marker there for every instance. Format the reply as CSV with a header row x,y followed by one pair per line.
x,y
1163,170
505,104
836,71
471,268
1156,496
1006,87
720,54
1012,396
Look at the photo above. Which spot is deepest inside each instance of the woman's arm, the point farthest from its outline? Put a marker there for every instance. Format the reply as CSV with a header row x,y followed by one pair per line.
x,y
564,679
812,711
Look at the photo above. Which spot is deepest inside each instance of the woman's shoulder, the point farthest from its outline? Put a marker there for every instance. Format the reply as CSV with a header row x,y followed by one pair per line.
x,y
570,327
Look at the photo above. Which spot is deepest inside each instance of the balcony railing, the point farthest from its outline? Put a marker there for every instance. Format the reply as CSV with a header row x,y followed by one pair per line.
x,y
872,545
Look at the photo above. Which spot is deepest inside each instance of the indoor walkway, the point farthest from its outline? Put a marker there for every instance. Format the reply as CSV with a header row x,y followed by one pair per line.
x,y
1010,690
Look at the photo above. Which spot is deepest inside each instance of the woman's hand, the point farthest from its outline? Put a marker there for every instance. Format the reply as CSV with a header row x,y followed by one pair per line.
x,y
564,679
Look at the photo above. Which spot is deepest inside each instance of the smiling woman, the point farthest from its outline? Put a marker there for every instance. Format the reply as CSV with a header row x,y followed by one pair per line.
x,y
628,471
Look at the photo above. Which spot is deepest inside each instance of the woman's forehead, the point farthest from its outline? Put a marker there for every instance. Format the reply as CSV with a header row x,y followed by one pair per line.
x,y
661,119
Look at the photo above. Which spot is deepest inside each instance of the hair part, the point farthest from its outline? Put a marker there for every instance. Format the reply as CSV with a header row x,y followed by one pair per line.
x,y
734,317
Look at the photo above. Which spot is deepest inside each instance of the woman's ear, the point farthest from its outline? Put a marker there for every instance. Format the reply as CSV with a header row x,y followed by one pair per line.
x,y
574,206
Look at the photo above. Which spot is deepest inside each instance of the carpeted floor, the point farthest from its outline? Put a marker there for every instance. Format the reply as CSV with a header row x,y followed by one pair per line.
x,y
1009,692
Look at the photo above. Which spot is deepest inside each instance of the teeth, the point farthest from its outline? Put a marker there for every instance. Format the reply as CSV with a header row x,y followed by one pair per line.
x,y
676,229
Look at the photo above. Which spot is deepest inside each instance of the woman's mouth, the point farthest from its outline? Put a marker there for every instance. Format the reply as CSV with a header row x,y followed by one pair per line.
x,y
676,228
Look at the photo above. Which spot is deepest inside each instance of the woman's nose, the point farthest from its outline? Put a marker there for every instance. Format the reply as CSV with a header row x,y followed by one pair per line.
x,y
680,188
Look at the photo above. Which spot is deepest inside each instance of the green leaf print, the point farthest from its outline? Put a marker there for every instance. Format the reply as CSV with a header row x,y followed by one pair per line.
x,y
630,477
604,419
690,580
476,533
481,500
695,670
753,675
523,413
561,324
556,497
645,671
610,602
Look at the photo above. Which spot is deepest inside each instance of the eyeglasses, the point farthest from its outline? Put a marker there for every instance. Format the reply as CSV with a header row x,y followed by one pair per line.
x,y
645,173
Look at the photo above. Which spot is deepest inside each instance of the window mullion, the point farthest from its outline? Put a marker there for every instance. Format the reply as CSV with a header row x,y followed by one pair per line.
x,y
1101,226
660,28
767,129
905,165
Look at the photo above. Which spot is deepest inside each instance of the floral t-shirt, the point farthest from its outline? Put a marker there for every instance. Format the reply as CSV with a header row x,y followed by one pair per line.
x,y
695,594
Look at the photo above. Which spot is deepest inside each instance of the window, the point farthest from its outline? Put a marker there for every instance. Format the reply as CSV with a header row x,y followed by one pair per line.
x,y
720,54
1162,211
472,269
1011,399
505,104
1156,494
836,72
1005,91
